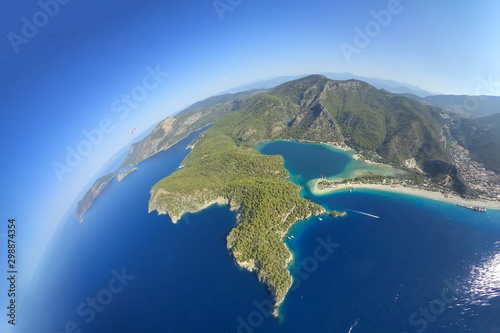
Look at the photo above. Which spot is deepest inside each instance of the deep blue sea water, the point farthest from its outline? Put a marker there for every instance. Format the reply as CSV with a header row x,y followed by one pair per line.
x,y
386,274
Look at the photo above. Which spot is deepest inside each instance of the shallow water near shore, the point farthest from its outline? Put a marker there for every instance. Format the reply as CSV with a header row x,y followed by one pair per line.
x,y
377,272
307,162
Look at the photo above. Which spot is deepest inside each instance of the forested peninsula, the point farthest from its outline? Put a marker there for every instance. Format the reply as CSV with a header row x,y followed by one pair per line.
x,y
225,169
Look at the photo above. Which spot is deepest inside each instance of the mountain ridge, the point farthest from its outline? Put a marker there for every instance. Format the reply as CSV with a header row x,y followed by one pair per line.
x,y
389,85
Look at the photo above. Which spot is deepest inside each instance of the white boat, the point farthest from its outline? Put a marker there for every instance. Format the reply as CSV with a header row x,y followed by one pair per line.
x,y
320,219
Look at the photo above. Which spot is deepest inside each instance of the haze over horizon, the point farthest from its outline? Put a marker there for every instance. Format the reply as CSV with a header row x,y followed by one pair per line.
x,y
70,72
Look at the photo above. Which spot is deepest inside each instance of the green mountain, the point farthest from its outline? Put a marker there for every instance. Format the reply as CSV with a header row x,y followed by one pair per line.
x,y
482,137
320,110
225,169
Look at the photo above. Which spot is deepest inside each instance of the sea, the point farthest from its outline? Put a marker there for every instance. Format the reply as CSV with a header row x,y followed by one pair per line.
x,y
395,263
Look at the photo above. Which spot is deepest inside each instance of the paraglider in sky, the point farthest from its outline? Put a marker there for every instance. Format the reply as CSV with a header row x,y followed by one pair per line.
x,y
133,131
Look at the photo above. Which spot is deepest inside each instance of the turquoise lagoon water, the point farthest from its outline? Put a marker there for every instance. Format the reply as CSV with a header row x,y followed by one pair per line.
x,y
307,162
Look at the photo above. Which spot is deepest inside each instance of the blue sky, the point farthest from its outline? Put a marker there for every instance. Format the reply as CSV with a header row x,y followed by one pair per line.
x,y
65,79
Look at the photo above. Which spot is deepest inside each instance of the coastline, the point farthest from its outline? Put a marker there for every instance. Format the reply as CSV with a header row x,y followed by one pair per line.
x,y
438,196
250,265
124,174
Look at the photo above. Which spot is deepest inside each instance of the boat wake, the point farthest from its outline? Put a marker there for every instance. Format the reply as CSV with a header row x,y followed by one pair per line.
x,y
362,213
354,325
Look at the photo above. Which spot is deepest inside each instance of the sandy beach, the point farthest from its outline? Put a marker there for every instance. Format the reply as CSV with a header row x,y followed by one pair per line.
x,y
454,199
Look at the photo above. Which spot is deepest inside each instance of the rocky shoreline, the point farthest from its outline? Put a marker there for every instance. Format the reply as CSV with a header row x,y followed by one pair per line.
x,y
253,266
219,201
250,265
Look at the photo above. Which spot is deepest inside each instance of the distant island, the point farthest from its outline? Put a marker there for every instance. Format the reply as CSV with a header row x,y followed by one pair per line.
x,y
88,199
337,214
